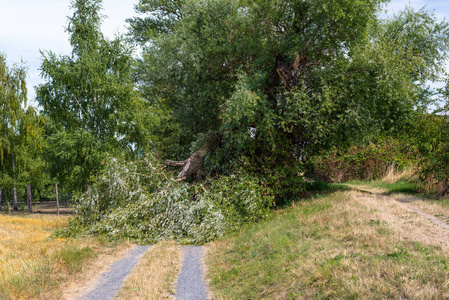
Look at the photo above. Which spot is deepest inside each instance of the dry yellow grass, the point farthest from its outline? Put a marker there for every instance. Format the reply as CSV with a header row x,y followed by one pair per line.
x,y
393,175
23,245
33,265
155,275
407,224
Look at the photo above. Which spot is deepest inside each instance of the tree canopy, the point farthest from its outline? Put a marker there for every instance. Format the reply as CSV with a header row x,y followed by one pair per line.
x,y
91,99
283,80
21,131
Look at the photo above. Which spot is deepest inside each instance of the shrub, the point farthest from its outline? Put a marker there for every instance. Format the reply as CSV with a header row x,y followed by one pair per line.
x,y
364,162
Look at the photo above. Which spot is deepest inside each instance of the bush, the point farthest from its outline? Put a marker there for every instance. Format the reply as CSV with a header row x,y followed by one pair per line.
x,y
430,132
363,162
137,200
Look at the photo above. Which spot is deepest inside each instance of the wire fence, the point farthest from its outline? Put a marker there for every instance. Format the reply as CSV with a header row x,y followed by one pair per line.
x,y
41,201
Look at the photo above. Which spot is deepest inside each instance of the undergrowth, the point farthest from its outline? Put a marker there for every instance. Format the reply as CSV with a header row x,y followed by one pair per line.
x,y
364,162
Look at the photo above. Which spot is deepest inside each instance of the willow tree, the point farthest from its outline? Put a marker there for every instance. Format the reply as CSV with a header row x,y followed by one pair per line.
x,y
266,84
90,98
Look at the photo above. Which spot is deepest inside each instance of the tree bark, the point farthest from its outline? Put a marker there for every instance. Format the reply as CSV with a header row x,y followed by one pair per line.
x,y
0,199
193,165
57,198
289,74
29,198
15,199
14,189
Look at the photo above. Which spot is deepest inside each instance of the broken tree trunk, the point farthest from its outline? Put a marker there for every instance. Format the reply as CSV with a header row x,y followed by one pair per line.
x,y
289,74
193,165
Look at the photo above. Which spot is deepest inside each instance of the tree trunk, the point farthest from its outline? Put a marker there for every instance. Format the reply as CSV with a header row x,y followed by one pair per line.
x,y
14,190
15,199
57,198
29,197
193,165
0,199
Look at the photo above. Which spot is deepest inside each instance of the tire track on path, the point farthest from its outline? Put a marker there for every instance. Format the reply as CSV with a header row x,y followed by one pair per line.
x,y
407,202
191,284
111,281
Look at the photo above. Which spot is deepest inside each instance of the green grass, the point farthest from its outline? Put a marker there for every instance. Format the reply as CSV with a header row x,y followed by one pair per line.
x,y
325,247
402,186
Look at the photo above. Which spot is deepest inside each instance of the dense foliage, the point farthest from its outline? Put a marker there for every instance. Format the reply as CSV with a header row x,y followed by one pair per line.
x,y
91,99
284,80
365,161
137,200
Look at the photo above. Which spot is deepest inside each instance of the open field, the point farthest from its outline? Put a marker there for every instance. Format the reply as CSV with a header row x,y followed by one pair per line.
x,y
33,265
349,244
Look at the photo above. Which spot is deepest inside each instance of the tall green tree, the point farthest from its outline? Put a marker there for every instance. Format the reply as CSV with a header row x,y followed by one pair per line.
x,y
281,80
90,97
21,133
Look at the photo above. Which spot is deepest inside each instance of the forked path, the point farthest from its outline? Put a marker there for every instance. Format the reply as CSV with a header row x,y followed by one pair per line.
x,y
190,284
407,202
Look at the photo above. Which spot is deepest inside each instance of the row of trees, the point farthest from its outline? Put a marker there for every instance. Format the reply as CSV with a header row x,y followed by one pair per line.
x,y
21,134
257,86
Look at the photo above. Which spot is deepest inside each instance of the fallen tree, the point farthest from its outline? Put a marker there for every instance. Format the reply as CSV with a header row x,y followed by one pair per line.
x,y
193,165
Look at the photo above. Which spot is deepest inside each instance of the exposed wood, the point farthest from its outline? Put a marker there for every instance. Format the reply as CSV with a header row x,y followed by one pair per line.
x,y
193,165
173,163
29,198
57,199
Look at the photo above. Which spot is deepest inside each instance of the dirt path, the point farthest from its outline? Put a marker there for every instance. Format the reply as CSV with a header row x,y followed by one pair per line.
x,y
414,218
110,282
191,284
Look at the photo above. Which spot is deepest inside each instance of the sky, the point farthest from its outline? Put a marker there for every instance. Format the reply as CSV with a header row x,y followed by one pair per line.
x,y
28,26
